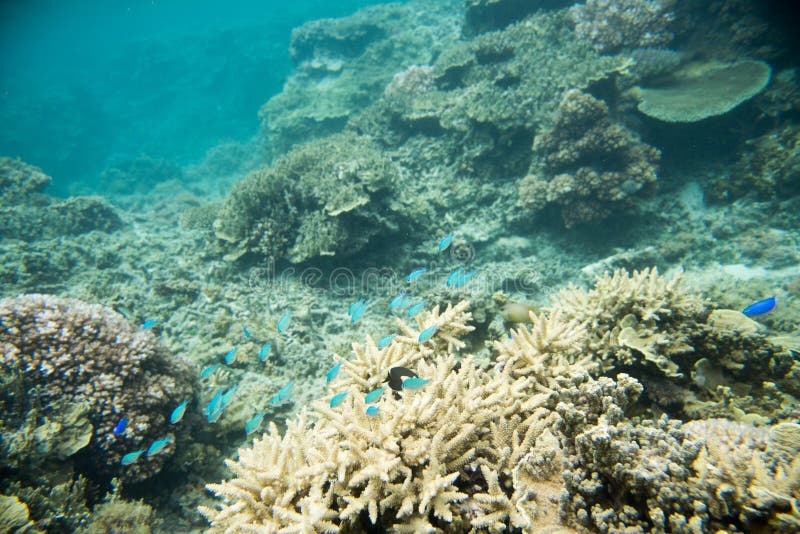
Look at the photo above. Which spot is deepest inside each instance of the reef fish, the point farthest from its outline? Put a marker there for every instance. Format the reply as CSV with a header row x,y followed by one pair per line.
x,y
230,358
426,334
253,424
338,399
358,311
414,383
214,404
416,273
372,411
246,332
131,457
454,276
415,309
264,352
120,428
396,376
205,373
353,306
158,446
463,278
150,323
333,372
283,322
227,397
385,341
396,301
177,413
445,242
761,307
282,395
374,395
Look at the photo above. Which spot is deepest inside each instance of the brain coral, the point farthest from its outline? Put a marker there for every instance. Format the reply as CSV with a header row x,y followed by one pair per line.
x,y
66,350
595,167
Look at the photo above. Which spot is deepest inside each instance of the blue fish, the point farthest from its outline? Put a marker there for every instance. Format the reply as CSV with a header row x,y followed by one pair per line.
x,y
205,373
415,309
337,399
230,358
454,276
414,383
372,411
177,413
426,334
158,446
120,428
413,275
282,395
214,404
253,424
131,457
358,312
445,242
385,341
283,322
462,279
264,352
333,372
761,307
246,332
150,323
396,301
353,306
374,395
227,397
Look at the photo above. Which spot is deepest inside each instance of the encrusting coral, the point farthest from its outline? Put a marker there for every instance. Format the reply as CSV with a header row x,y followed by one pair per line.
x,y
594,167
65,350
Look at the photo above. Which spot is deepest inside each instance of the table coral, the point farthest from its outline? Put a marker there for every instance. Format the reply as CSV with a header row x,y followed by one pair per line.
x,y
68,350
590,166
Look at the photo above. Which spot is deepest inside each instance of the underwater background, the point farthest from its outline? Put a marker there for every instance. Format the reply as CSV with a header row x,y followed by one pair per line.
x,y
451,266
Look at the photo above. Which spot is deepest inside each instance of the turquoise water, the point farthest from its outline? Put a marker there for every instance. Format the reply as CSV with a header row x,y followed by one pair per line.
x,y
452,266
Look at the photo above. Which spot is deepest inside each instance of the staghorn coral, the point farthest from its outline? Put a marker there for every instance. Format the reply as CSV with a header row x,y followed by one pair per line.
x,y
325,198
469,450
594,167
69,351
612,25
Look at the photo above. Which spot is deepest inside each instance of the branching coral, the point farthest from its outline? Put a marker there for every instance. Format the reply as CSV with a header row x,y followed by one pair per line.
x,y
65,350
595,167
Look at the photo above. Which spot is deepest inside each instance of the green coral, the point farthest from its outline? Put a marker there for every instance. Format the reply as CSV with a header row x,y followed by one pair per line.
x,y
325,198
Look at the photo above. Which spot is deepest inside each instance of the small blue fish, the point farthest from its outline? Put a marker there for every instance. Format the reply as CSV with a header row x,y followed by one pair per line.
x,y
214,416
205,373
462,279
264,352
413,275
337,399
282,395
353,306
283,322
372,411
150,323
227,397
246,332
385,341
158,446
396,301
120,428
230,358
761,307
445,242
131,457
358,312
414,383
426,334
415,309
333,372
214,404
253,424
454,276
177,413
374,395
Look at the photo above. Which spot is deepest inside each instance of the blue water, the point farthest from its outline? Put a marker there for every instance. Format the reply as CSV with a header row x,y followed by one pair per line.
x,y
89,84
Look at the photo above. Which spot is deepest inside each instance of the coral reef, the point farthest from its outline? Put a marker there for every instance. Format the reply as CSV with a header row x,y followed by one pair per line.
x,y
65,350
488,15
613,25
13,515
325,198
595,167
707,91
